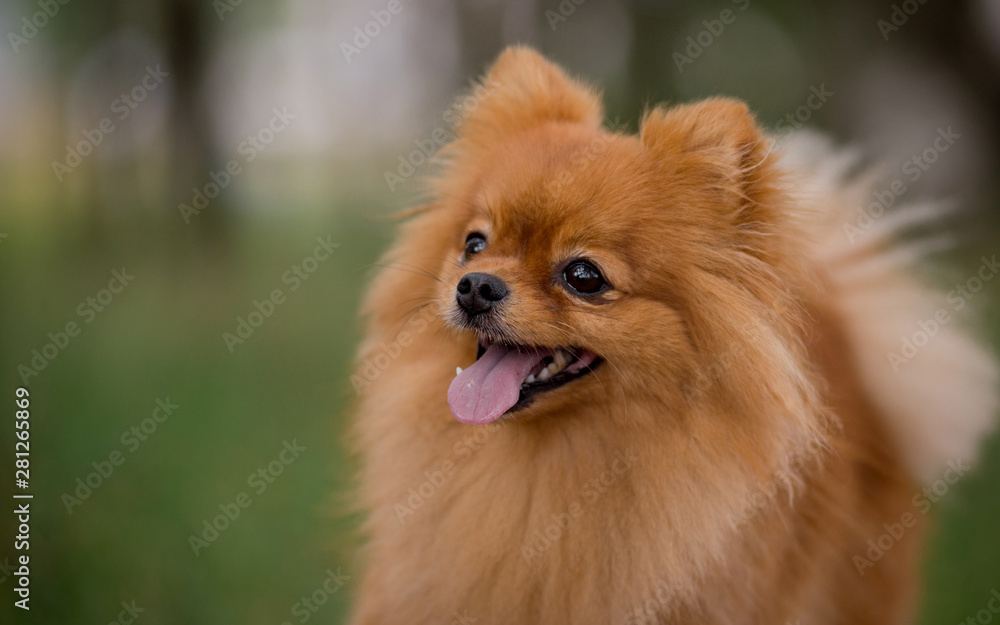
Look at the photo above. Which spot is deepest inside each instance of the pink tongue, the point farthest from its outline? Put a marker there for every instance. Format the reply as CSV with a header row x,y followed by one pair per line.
x,y
491,386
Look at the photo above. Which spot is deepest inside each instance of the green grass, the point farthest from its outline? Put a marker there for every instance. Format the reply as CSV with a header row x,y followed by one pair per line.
x,y
163,337
160,337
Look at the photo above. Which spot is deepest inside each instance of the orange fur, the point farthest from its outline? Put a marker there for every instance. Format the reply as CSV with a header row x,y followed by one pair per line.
x,y
740,462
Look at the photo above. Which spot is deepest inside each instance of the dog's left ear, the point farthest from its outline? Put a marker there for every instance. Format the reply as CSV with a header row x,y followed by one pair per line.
x,y
522,90
715,144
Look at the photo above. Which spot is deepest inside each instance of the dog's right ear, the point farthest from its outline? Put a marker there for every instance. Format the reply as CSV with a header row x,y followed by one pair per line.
x,y
716,144
522,90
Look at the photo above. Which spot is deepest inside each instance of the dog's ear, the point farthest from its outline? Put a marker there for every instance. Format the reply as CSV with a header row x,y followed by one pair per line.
x,y
522,90
717,127
715,144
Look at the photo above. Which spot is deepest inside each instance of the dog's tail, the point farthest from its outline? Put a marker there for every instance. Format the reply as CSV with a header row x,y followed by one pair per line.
x,y
936,386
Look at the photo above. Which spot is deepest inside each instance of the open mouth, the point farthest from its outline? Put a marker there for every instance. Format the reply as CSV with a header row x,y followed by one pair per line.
x,y
506,378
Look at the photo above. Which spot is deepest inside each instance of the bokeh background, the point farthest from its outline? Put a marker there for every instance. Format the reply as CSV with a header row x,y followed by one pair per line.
x,y
188,87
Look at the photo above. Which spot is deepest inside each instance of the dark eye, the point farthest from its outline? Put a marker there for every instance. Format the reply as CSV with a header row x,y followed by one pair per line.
x,y
474,243
584,278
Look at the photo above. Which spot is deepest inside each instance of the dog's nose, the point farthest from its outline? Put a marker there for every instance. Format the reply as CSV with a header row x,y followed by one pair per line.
x,y
479,292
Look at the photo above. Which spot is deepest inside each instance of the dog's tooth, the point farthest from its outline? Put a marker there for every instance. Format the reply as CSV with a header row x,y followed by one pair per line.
x,y
557,365
560,358
458,371
544,374
530,378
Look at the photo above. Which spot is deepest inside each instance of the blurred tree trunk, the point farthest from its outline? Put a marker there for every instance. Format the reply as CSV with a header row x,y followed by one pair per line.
x,y
187,35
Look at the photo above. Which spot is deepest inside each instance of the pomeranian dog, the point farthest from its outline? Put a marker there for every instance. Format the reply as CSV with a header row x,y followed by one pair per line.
x,y
664,378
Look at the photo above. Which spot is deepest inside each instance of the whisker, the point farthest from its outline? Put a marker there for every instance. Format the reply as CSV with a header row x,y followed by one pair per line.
x,y
413,311
447,260
413,299
581,310
621,386
618,372
420,271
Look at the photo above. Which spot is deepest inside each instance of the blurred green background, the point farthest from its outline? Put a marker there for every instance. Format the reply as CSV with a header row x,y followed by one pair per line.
x,y
215,72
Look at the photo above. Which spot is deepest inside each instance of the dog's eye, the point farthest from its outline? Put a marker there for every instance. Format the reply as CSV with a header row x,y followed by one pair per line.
x,y
474,243
584,278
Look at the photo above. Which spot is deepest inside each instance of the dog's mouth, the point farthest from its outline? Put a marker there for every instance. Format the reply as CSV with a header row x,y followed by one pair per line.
x,y
506,378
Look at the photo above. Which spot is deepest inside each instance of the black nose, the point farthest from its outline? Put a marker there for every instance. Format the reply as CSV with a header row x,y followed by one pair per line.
x,y
479,292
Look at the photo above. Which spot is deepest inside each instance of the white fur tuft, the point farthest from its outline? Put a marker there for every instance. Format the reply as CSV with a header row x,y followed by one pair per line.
x,y
940,402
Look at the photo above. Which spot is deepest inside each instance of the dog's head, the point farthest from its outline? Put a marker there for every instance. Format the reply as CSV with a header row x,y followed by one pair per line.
x,y
589,266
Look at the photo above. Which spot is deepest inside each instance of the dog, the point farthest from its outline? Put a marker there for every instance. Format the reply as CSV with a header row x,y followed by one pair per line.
x,y
650,378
